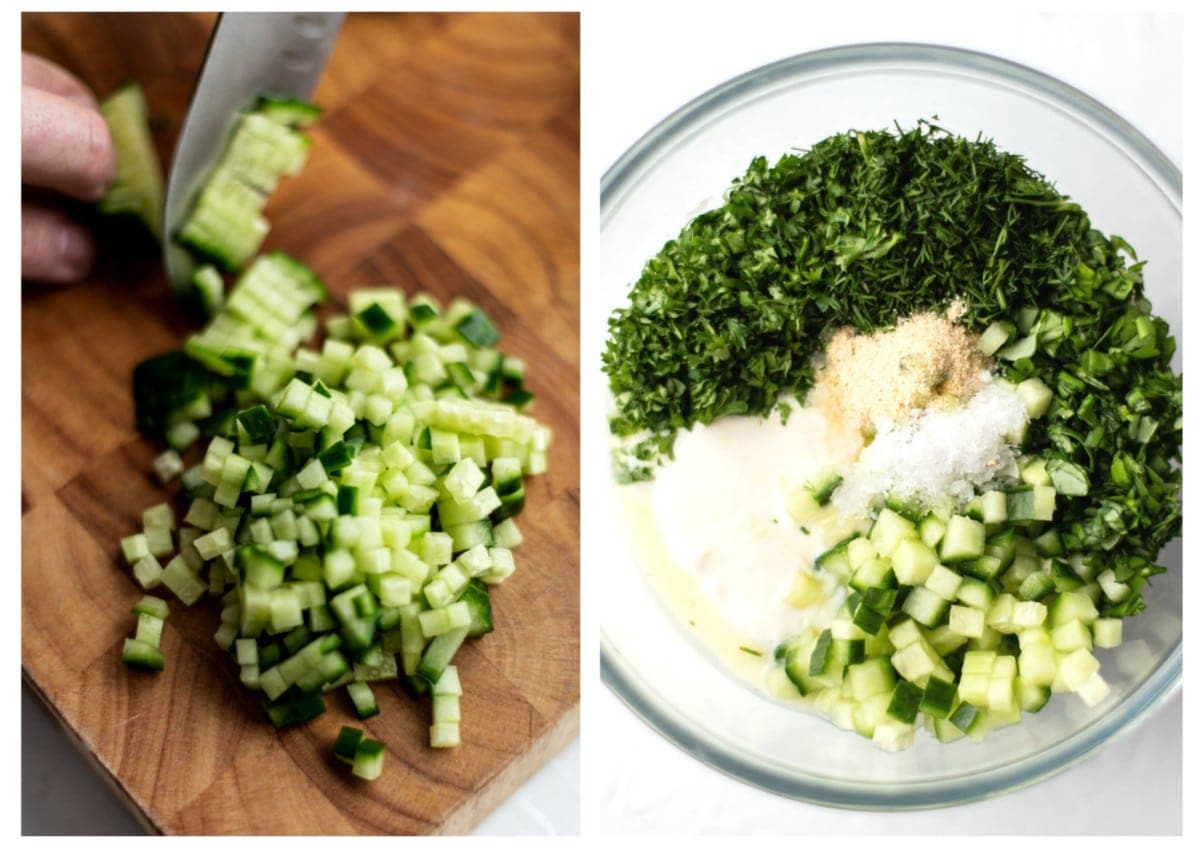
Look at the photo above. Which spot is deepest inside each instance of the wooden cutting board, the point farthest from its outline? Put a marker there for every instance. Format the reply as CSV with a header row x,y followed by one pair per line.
x,y
447,161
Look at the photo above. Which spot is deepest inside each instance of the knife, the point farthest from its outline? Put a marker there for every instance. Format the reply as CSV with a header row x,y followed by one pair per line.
x,y
250,53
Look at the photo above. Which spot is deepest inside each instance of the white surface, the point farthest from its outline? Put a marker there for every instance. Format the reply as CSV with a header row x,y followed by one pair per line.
x,y
63,795
640,74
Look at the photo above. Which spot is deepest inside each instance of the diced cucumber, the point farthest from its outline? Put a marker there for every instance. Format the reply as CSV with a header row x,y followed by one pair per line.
x,y
1038,664
916,662
140,655
1022,348
943,582
870,677
368,759
1036,396
1033,504
797,662
904,634
912,562
924,606
1072,606
968,718
836,560
996,336
944,641
440,652
964,539
1036,586
994,506
1031,697
365,704
976,593
946,730
346,744
1049,544
1070,636
1001,613
1106,632
821,656
875,574
966,621
889,529
823,487
938,698
1113,590
150,605
931,529
905,702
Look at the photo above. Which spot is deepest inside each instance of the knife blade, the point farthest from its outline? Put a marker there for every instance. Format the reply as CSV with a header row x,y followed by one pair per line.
x,y
249,53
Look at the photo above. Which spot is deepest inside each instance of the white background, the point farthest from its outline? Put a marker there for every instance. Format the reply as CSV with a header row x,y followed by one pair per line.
x,y
643,62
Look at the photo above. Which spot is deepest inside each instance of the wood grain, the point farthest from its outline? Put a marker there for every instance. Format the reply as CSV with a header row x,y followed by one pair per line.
x,y
447,161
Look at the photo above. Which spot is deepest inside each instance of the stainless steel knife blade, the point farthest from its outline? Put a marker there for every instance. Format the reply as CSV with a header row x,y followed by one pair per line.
x,y
250,53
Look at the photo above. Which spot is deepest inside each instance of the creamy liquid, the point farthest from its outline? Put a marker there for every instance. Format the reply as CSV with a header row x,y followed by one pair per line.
x,y
712,534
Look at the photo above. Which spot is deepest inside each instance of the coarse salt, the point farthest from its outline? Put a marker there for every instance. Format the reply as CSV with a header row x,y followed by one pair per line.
x,y
940,457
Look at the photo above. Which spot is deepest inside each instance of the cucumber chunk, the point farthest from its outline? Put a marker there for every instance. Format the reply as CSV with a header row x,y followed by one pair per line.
x,y
137,188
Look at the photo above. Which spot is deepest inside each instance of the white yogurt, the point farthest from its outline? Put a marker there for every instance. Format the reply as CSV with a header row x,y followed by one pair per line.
x,y
712,533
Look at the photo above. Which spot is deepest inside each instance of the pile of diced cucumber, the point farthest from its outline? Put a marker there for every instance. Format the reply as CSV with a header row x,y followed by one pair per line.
x,y
957,621
354,505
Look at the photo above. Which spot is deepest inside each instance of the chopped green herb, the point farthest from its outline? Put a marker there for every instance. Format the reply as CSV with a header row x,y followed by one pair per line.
x,y
750,651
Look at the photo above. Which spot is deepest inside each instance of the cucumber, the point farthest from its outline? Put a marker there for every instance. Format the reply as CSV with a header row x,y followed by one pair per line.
x,y
288,111
368,759
346,744
965,539
939,698
137,189
1031,697
870,677
913,562
440,652
968,718
905,702
1033,504
821,658
996,336
796,664
350,520
822,488
141,655
363,698
225,224
475,595
836,560
924,606
889,529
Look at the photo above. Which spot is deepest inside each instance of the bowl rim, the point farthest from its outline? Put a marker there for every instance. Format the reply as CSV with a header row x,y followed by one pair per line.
x,y
918,794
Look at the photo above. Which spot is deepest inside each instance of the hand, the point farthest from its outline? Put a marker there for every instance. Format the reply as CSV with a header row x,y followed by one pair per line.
x,y
65,148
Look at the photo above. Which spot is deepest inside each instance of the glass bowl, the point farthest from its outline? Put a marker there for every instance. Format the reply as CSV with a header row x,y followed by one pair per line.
x,y
682,167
